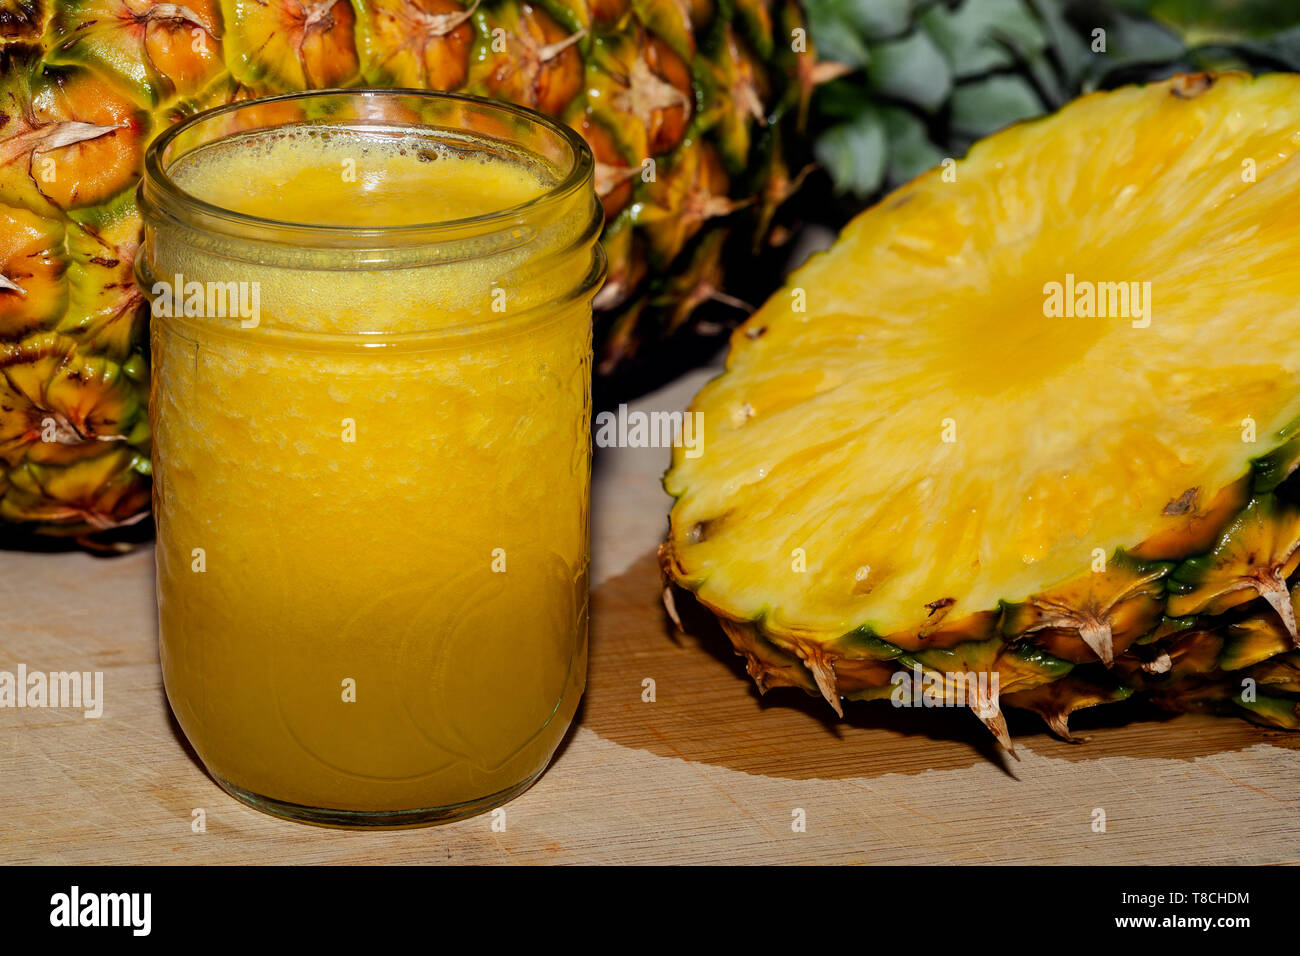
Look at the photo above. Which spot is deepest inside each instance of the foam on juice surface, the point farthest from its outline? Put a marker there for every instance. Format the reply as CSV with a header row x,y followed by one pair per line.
x,y
337,177
323,178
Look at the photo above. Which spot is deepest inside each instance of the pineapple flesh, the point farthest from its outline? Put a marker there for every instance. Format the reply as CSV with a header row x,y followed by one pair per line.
x,y
1035,413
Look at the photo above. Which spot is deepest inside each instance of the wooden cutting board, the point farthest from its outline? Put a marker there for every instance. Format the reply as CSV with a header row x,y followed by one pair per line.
x,y
706,772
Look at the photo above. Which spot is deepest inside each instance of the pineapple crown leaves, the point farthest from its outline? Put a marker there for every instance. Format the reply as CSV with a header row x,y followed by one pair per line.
x,y
924,79
1281,51
1203,22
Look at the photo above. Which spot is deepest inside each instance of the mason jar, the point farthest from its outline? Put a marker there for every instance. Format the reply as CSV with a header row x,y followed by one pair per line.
x,y
371,340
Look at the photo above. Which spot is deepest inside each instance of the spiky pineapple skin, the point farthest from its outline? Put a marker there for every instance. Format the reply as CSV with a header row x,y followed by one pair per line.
x,y
74,434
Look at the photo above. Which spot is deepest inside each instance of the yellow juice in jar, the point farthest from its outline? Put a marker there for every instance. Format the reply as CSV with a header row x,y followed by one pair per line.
x,y
372,497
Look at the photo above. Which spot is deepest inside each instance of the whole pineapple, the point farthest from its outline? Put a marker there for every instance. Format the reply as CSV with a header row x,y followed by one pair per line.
x,y
682,103
1036,415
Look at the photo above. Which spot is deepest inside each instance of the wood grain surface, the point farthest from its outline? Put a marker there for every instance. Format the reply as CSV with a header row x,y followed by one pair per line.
x,y
708,772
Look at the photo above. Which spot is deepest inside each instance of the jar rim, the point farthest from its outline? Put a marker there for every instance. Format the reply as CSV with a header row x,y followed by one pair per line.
x,y
160,194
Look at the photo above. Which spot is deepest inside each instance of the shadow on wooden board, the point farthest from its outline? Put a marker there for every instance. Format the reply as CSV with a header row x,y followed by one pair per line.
x,y
707,709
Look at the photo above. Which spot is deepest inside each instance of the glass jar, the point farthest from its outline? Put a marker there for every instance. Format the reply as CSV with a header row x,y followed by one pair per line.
x,y
372,455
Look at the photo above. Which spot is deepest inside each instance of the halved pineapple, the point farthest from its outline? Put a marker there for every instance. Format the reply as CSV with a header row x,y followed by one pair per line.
x,y
1018,401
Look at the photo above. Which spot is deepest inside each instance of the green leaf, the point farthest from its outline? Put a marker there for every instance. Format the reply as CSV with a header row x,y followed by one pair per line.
x,y
844,30
912,69
835,38
1281,50
840,99
1068,48
910,150
877,19
1209,21
974,36
985,106
1129,40
854,154
1048,87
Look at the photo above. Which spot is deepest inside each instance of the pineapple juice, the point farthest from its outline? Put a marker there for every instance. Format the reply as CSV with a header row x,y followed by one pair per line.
x,y
372,495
